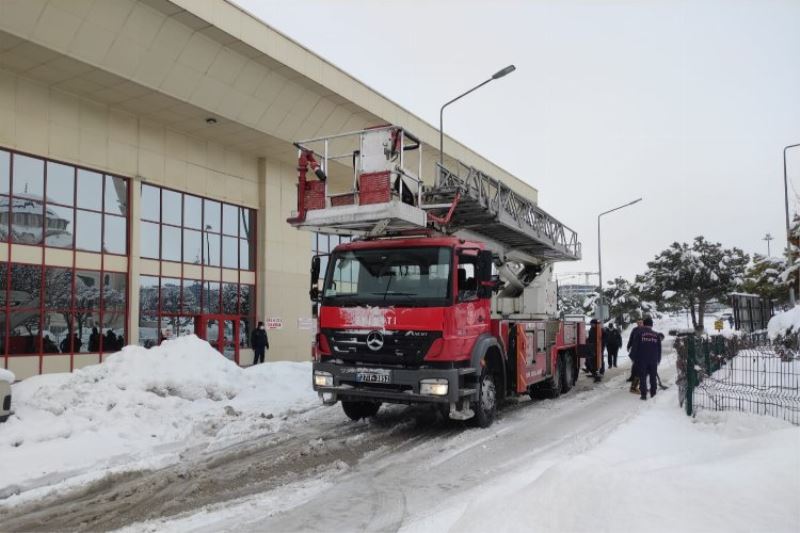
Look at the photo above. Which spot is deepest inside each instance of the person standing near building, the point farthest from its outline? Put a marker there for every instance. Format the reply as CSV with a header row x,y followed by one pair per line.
x,y
260,343
613,344
647,350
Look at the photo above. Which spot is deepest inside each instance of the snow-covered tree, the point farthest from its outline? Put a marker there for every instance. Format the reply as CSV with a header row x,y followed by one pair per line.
x,y
764,277
693,274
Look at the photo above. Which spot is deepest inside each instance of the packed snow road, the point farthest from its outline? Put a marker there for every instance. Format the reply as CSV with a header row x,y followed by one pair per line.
x,y
386,466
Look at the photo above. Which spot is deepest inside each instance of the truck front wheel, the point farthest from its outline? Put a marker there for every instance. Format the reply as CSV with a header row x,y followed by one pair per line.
x,y
486,405
356,410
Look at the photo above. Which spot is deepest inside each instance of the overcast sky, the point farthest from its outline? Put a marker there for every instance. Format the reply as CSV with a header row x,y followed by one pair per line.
x,y
685,103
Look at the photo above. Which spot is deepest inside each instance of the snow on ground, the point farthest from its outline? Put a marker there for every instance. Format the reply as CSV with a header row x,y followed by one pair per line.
x,y
141,408
660,471
7,375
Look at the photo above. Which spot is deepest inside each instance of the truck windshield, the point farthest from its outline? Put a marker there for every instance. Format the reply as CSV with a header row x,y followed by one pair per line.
x,y
395,276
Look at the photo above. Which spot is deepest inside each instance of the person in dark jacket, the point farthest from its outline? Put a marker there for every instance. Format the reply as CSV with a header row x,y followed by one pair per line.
x,y
647,350
260,343
94,341
591,350
634,377
110,342
613,344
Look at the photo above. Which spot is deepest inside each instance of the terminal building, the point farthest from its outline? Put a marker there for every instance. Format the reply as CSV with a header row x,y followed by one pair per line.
x,y
147,171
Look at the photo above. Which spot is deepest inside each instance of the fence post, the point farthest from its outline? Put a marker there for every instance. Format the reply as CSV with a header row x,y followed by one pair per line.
x,y
691,373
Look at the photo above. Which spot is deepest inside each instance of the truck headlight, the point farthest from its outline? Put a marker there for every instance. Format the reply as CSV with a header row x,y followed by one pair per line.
x,y
433,387
323,379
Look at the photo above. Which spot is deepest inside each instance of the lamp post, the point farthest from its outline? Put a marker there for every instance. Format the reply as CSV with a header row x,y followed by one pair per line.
x,y
768,237
788,227
497,75
600,257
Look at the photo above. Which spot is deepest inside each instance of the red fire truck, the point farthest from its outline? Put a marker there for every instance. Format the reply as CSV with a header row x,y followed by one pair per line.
x,y
445,295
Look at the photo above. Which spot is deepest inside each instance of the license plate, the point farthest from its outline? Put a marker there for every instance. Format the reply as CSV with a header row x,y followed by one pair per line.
x,y
374,377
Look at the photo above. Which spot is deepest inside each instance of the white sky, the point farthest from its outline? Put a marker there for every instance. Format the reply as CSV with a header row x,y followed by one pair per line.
x,y
686,103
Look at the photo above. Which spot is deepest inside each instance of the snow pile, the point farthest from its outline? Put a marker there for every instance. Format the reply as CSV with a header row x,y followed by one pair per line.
x,y
781,323
660,470
7,376
142,405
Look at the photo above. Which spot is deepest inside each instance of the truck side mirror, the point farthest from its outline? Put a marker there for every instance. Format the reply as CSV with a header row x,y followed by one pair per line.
x,y
483,272
314,291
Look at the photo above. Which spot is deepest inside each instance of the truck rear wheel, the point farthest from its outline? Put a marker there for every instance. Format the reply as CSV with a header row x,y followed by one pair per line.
x,y
356,410
486,406
551,387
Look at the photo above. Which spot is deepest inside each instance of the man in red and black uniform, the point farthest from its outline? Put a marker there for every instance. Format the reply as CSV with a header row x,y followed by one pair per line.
x,y
646,350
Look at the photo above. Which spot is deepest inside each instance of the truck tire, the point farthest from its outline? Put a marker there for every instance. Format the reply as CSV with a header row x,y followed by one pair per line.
x,y
486,405
568,372
551,387
356,410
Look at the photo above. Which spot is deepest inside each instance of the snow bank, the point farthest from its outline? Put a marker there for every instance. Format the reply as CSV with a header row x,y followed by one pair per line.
x,y
660,471
7,376
782,322
142,405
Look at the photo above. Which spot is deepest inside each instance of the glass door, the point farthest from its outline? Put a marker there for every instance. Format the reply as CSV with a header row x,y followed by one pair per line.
x,y
221,332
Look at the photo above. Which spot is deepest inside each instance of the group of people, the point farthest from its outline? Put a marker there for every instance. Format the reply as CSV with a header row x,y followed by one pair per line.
x,y
644,349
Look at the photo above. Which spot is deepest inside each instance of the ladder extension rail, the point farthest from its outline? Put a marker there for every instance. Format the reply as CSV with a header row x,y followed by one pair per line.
x,y
503,203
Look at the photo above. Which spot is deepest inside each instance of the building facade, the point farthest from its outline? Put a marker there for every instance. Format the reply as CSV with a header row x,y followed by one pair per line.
x,y
147,171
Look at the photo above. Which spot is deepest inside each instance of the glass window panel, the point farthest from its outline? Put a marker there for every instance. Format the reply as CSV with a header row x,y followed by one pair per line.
x,y
228,343
171,207
60,223
57,288
148,330
247,294
230,220
170,295
60,183
116,196
3,281
230,252
87,289
148,295
169,326
87,230
192,290
149,242
24,337
212,249
185,325
230,298
5,204
245,327
85,324
192,212
27,219
151,203
211,215
211,297
113,332
26,286
5,173
90,189
3,323
28,177
246,257
116,235
115,285
246,222
55,331
192,246
170,243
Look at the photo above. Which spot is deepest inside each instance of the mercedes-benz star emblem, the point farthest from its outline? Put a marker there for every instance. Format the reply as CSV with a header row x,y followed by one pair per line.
x,y
375,340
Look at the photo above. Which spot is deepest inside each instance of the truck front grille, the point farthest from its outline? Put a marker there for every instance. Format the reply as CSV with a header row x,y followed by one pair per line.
x,y
406,348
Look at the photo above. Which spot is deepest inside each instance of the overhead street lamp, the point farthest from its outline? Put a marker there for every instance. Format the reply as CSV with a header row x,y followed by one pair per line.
x,y
786,205
599,255
496,76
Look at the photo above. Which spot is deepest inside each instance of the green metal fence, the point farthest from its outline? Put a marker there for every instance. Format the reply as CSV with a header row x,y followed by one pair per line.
x,y
745,374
